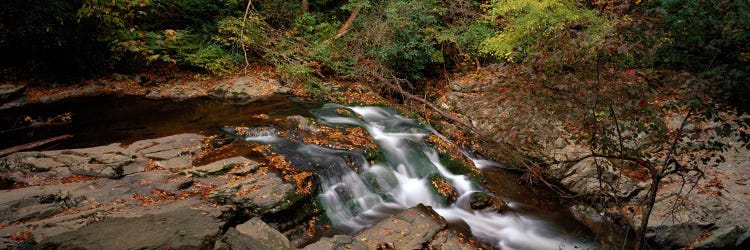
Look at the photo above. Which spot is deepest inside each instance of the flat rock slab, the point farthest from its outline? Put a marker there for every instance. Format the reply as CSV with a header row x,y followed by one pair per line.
x,y
262,192
175,144
180,229
413,228
222,166
110,161
247,89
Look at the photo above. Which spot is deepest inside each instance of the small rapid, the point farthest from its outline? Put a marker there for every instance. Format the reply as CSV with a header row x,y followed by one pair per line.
x,y
357,199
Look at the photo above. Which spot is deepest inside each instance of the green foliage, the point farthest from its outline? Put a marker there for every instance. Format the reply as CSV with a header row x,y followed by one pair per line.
x,y
531,21
175,32
409,44
704,32
712,38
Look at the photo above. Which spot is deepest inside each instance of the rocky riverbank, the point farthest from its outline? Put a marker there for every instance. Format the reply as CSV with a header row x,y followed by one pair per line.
x,y
707,210
235,89
150,194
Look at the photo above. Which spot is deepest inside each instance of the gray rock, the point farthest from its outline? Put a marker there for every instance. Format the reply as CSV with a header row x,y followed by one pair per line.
x,y
19,207
222,166
110,161
234,240
185,143
410,229
180,229
450,240
337,242
247,89
714,215
584,178
261,232
179,162
262,192
178,92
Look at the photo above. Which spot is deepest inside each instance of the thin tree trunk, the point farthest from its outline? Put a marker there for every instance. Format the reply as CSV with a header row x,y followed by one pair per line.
x,y
242,35
641,242
305,6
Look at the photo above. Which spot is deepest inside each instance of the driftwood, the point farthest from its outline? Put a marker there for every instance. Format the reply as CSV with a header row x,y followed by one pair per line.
x,y
32,145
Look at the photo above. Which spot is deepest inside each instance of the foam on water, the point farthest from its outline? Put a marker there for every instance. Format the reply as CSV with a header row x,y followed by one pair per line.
x,y
357,200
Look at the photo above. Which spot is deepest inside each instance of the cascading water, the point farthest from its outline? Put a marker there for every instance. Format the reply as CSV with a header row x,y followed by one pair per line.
x,y
357,199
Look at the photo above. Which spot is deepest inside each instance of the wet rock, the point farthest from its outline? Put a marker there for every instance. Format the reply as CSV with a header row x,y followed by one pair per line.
x,y
450,240
9,91
222,166
444,189
180,229
261,232
303,124
479,201
337,242
410,229
247,89
262,192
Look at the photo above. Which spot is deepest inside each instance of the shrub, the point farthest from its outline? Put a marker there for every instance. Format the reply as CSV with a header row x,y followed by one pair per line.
x,y
530,21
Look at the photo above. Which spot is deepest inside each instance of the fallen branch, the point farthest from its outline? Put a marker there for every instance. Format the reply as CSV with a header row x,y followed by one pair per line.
x,y
32,145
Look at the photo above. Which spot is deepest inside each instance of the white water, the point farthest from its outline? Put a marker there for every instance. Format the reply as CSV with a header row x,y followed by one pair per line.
x,y
357,200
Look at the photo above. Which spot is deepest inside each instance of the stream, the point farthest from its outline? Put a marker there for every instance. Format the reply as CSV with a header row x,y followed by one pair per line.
x,y
354,197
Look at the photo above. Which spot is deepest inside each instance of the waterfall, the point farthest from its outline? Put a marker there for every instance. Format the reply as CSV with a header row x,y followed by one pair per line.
x,y
355,200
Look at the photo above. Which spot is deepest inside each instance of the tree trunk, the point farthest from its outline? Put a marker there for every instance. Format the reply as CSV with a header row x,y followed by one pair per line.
x,y
641,242
305,6
348,23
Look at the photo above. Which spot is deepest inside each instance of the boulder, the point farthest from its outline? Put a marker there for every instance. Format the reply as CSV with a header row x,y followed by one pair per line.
x,y
479,201
234,240
413,228
261,232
